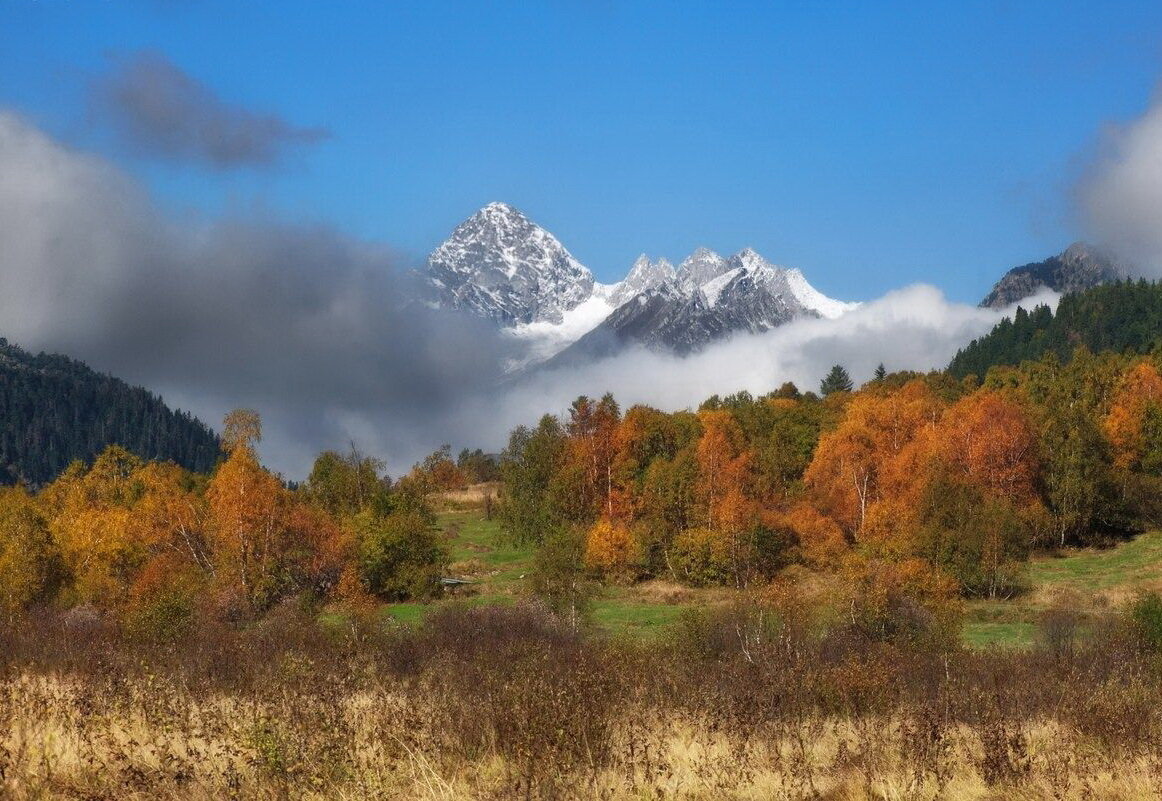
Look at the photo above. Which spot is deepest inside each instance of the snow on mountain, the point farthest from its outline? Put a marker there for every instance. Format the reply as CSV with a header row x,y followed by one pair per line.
x,y
791,282
544,339
712,290
501,265
813,299
643,276
745,294
699,267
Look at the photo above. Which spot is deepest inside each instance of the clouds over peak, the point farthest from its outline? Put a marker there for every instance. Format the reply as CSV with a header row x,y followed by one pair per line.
x,y
310,326
317,330
160,110
1121,192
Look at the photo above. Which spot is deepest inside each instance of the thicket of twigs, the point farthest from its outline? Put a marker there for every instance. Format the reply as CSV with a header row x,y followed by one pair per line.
x,y
508,702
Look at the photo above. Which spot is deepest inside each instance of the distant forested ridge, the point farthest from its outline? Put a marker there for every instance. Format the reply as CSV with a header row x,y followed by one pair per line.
x,y
1125,316
54,410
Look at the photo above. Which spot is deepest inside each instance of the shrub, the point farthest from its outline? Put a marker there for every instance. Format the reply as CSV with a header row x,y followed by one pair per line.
x,y
610,548
399,555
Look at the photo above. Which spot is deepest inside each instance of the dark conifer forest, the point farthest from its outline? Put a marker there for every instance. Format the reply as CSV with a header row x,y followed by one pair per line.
x,y
55,410
1123,317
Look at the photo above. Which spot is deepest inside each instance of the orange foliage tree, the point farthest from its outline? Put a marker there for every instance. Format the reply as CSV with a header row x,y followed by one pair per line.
x,y
988,440
591,451
267,543
872,451
91,523
1139,389
30,566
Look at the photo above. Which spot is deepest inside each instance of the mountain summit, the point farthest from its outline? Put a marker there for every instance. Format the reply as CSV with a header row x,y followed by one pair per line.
x,y
500,265
1080,267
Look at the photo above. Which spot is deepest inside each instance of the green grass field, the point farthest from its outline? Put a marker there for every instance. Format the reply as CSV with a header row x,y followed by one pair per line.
x,y
1087,581
498,570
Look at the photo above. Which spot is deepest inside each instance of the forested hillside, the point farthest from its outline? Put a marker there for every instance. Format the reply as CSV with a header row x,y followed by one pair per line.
x,y
55,410
1122,316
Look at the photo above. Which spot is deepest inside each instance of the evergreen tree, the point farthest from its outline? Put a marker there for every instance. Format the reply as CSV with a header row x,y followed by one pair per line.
x,y
1121,317
880,373
836,381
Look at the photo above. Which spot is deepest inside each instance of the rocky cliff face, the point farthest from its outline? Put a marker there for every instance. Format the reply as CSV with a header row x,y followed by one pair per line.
x,y
1079,267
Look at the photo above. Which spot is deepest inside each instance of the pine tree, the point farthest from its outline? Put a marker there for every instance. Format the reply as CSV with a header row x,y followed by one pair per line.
x,y
880,373
836,381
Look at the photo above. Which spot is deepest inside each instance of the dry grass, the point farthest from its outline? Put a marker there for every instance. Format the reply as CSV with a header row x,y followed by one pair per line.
x,y
472,497
158,742
494,703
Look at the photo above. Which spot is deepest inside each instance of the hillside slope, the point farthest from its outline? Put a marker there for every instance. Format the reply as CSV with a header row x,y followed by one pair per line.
x,y
1121,316
54,410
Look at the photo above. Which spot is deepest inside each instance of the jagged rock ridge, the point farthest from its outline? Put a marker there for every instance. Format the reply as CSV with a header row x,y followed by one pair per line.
x,y
500,265
741,294
1080,267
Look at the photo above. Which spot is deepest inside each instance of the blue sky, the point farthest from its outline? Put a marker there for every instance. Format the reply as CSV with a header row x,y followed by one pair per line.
x,y
872,144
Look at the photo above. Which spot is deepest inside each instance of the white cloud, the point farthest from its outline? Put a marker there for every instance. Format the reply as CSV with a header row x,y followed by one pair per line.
x,y
1121,192
311,327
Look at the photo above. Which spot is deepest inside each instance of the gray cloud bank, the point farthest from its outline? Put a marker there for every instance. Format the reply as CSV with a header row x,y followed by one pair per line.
x,y
314,329
306,325
1120,194
162,111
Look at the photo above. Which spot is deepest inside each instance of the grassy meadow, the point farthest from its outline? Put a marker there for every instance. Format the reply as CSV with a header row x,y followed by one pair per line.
x,y
1090,581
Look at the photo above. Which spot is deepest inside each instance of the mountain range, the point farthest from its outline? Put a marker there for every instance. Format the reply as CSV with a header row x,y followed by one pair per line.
x,y
500,265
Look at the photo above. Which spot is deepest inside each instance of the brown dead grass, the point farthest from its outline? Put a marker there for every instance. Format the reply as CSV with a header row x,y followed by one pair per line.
x,y
63,741
472,497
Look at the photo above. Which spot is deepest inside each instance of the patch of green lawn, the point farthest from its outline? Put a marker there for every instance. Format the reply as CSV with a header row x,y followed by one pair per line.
x,y
1001,635
409,613
1129,564
468,536
618,615
1088,578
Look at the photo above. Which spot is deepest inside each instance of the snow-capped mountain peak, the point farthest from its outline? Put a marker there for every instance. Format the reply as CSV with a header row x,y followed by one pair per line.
x,y
499,264
701,266
644,275
789,282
